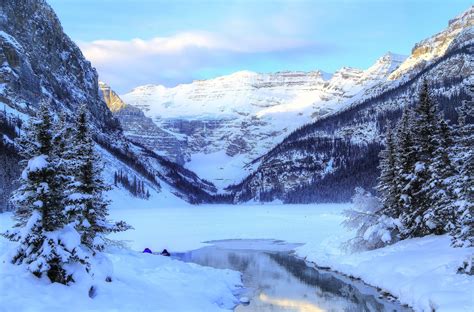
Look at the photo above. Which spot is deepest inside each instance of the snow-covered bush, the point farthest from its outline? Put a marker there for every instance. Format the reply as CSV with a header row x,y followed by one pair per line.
x,y
373,229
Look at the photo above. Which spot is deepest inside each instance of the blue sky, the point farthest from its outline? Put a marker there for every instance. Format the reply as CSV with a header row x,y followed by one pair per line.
x,y
136,42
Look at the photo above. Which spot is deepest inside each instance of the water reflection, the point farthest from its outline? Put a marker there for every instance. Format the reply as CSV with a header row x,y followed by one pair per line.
x,y
277,281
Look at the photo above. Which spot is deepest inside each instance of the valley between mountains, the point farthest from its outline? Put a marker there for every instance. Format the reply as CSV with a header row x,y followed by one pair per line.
x,y
279,191
230,128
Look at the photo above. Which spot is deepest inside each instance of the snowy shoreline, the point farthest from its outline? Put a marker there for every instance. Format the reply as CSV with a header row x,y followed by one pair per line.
x,y
419,272
382,292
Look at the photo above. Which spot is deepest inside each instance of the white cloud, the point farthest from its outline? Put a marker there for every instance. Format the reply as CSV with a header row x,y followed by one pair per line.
x,y
113,50
177,58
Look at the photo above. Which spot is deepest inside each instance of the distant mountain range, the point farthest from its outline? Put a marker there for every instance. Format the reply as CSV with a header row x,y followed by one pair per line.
x,y
293,136
224,127
324,160
233,119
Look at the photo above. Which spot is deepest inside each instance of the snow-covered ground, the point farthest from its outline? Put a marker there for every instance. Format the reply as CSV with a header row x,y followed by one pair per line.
x,y
141,282
421,272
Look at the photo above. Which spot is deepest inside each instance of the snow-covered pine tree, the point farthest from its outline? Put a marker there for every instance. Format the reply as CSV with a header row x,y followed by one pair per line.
x,y
433,191
387,186
88,188
440,217
62,148
376,219
46,243
424,132
405,159
463,232
373,228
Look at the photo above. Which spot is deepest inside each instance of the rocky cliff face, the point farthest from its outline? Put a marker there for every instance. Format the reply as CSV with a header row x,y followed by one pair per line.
x,y
39,63
141,129
113,101
234,119
435,46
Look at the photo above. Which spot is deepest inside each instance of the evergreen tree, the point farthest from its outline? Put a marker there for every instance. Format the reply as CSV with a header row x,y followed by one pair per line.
x,y
463,232
373,228
440,217
405,164
65,154
387,183
426,184
88,189
424,131
47,243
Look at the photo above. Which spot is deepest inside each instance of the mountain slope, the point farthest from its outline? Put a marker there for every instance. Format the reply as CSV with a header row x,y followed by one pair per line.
x,y
230,120
39,63
326,159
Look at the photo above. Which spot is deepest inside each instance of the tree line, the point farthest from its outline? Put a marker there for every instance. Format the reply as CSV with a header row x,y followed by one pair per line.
x,y
426,182
135,187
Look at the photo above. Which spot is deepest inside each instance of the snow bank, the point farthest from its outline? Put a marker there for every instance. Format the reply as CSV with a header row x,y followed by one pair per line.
x,y
141,282
421,272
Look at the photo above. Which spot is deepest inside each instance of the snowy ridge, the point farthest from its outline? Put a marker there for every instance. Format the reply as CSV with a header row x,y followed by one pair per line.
x,y
244,114
437,45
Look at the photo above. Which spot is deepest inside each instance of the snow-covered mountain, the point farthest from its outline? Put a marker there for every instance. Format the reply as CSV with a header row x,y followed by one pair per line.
x,y
326,159
226,129
217,126
39,63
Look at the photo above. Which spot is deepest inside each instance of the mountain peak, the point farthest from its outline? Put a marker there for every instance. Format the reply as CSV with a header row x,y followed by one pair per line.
x,y
113,101
463,18
390,56
436,46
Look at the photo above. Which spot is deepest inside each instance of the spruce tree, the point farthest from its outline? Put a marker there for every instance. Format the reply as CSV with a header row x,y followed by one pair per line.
x,y
426,184
65,154
387,183
88,188
463,232
405,159
46,243
424,132
440,217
